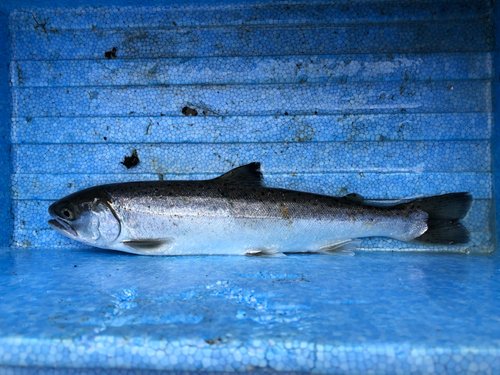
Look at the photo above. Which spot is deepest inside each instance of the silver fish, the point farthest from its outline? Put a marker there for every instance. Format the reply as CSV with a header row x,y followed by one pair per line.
x,y
235,214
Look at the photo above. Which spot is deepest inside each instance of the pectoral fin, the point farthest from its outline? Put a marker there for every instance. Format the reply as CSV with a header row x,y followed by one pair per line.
x,y
147,244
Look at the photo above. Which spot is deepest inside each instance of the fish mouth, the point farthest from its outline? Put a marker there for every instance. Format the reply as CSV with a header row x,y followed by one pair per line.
x,y
61,226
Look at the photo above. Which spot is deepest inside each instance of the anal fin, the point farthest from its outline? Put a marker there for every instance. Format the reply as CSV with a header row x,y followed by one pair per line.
x,y
343,248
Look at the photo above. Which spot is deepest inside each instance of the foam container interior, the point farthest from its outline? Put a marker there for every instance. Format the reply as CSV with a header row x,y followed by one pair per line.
x,y
387,99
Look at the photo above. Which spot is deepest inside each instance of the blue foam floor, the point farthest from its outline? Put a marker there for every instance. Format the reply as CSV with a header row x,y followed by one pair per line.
x,y
372,313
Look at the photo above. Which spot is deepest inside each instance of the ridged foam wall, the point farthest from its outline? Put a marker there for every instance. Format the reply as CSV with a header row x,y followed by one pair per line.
x,y
387,99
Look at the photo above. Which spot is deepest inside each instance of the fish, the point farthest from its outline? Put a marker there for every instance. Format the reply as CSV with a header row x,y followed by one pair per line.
x,y
236,214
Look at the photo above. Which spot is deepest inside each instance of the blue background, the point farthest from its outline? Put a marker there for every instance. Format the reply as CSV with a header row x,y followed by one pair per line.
x,y
385,99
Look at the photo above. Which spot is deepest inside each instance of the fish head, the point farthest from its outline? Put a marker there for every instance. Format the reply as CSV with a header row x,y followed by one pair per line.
x,y
86,216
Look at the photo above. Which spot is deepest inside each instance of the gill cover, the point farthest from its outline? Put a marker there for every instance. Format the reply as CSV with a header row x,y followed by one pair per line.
x,y
105,226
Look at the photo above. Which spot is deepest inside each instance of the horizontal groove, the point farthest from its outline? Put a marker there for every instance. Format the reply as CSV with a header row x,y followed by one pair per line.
x,y
290,172
228,71
200,5
297,99
364,171
250,143
264,56
288,13
249,56
283,25
305,84
243,115
265,173
290,115
286,26
261,100
236,130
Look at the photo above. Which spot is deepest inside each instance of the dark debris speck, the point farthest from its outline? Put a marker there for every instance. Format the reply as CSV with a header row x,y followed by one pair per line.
x,y
131,161
111,54
186,111
214,341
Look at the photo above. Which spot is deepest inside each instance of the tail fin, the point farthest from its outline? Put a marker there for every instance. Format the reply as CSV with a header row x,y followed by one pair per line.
x,y
444,212
442,232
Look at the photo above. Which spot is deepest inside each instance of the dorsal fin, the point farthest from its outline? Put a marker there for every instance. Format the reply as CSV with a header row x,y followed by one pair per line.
x,y
248,175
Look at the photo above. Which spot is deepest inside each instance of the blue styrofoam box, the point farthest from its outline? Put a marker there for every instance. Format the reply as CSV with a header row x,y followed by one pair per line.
x,y
388,99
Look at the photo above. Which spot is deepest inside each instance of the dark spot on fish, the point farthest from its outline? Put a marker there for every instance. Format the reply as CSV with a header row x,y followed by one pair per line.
x,y
186,111
286,113
131,161
28,119
110,54
131,112
105,138
74,265
285,212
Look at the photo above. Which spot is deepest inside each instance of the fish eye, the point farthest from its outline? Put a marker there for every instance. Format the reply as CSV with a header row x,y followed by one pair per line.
x,y
67,213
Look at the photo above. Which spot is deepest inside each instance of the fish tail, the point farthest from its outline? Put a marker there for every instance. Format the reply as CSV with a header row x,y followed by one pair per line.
x,y
444,213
